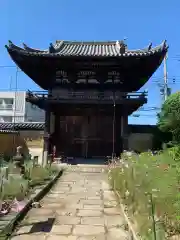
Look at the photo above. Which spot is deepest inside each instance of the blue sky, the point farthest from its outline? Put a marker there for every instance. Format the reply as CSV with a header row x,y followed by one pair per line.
x,y
39,22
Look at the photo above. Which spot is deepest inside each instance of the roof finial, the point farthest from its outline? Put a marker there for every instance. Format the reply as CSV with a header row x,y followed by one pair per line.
x,y
117,45
10,43
51,48
164,44
25,46
121,46
149,46
58,45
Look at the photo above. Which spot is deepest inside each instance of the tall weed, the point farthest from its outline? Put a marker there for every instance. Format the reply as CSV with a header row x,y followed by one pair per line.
x,y
157,176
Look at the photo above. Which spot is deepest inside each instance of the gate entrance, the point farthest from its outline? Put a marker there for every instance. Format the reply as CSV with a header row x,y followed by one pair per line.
x,y
79,136
103,77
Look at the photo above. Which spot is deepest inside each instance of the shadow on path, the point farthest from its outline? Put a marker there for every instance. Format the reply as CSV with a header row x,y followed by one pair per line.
x,y
45,226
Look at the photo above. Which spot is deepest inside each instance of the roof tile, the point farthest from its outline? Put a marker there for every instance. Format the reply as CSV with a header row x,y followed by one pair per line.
x,y
103,49
22,126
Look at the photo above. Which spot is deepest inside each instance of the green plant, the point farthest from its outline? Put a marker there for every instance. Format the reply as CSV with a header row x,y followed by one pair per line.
x,y
175,152
28,167
169,118
156,176
53,169
15,185
15,188
38,175
7,158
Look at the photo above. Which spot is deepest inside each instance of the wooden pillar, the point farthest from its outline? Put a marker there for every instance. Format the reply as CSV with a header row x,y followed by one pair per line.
x,y
124,131
57,134
46,131
84,136
51,131
52,122
118,145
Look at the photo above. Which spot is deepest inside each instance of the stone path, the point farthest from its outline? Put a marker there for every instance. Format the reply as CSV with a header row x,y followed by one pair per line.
x,y
80,207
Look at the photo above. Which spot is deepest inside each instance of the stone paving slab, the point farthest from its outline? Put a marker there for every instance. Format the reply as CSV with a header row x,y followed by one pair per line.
x,y
81,206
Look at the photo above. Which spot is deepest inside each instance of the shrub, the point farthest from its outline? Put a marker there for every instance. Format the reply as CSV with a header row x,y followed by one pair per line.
x,y
15,188
175,153
169,118
38,174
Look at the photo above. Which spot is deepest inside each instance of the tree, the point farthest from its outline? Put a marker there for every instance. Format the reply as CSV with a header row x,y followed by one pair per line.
x,y
169,117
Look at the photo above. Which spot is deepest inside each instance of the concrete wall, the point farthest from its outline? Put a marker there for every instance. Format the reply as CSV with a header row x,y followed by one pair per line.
x,y
32,145
32,134
9,143
34,141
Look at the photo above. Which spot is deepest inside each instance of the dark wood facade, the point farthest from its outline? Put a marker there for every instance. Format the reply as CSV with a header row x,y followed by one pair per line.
x,y
88,136
90,89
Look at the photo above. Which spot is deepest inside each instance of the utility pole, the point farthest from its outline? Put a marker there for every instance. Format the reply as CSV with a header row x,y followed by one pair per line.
x,y
15,96
14,115
165,78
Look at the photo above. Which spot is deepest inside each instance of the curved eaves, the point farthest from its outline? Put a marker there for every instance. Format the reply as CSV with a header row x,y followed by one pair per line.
x,y
21,58
27,66
63,49
54,47
29,49
159,48
14,47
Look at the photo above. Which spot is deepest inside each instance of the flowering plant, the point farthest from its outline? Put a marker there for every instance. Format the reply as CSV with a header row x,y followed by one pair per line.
x,y
144,175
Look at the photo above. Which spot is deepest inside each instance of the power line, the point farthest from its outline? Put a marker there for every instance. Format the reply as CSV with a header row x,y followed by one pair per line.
x,y
4,66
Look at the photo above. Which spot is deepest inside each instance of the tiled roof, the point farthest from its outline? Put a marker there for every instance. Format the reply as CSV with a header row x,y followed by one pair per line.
x,y
9,127
95,49
22,126
7,131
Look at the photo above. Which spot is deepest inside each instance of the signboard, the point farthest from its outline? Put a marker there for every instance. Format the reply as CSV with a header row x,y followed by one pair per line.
x,y
114,76
61,76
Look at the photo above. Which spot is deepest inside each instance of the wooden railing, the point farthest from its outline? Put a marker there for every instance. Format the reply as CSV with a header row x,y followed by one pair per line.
x,y
86,95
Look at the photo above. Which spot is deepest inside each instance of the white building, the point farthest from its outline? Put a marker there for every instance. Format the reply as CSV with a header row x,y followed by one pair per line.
x,y
14,108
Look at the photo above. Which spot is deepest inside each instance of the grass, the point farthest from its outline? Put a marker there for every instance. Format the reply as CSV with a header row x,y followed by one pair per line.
x,y
149,186
19,186
15,188
40,174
